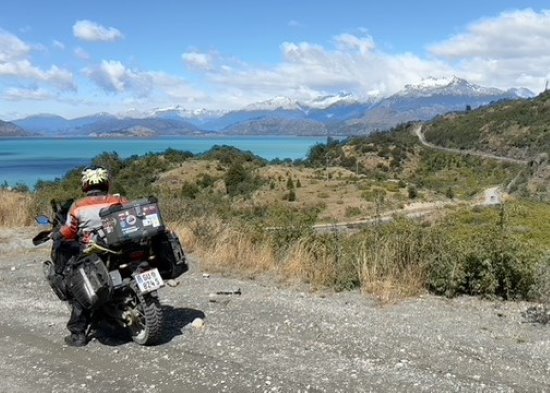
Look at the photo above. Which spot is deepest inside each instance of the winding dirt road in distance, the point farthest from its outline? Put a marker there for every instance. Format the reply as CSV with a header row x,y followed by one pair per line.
x,y
418,132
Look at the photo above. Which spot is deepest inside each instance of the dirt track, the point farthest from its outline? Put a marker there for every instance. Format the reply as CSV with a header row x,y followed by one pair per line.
x,y
268,339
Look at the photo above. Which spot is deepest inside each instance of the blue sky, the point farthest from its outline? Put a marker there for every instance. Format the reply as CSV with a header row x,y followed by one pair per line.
x,y
75,58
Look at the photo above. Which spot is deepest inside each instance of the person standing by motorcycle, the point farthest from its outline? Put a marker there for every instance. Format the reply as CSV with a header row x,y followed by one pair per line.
x,y
72,238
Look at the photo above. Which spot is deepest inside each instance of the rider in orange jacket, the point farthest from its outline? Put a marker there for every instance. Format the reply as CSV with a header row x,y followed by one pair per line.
x,y
83,217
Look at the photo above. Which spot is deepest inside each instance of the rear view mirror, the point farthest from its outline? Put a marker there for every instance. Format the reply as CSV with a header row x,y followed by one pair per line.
x,y
43,220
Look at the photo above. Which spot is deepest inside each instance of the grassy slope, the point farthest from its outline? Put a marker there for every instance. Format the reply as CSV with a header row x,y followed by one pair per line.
x,y
519,129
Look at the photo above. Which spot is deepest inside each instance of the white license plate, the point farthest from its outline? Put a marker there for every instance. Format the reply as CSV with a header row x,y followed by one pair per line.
x,y
149,281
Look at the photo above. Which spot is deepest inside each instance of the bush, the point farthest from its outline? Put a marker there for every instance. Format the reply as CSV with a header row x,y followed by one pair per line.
x,y
239,180
412,192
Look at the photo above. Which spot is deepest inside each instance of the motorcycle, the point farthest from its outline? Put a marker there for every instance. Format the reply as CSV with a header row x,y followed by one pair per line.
x,y
118,274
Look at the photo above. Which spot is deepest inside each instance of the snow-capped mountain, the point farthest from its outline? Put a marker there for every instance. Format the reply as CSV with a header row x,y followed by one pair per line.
x,y
277,103
188,114
431,97
324,102
446,86
342,113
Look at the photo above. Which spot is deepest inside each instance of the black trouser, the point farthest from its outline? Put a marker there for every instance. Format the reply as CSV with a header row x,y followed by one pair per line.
x,y
80,318
62,252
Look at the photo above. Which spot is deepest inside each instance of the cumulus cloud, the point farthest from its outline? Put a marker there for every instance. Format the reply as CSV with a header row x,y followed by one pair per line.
x,y
509,50
308,70
90,31
113,76
510,35
362,44
55,76
176,88
138,88
15,64
12,48
197,60
19,94
512,49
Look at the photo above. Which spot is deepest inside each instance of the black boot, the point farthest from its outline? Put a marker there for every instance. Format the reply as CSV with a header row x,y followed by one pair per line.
x,y
76,340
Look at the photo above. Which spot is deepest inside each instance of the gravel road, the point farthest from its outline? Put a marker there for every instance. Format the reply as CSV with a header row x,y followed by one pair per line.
x,y
268,339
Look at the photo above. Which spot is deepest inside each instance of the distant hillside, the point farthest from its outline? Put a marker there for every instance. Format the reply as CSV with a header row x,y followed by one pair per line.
x,y
277,127
106,125
519,129
10,129
43,124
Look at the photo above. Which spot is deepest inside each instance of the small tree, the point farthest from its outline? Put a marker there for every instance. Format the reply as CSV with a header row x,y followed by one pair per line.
x,y
413,193
291,195
289,183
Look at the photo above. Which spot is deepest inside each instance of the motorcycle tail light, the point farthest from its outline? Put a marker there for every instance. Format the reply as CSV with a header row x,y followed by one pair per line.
x,y
137,256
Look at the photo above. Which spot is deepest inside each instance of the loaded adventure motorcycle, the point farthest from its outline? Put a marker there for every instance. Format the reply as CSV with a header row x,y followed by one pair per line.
x,y
117,275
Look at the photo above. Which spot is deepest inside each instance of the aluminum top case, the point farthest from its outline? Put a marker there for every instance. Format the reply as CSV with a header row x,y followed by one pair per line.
x,y
132,222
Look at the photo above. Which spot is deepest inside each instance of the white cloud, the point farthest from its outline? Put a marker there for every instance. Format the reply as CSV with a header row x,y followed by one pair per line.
x,y
15,64
362,44
81,54
12,48
176,88
56,76
512,49
515,34
58,44
90,31
309,70
509,50
113,76
18,94
197,60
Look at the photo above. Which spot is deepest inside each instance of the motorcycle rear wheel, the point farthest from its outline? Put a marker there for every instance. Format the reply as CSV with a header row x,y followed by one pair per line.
x,y
147,327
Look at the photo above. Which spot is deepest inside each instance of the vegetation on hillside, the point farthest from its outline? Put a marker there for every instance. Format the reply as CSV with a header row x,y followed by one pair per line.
x,y
519,129
243,215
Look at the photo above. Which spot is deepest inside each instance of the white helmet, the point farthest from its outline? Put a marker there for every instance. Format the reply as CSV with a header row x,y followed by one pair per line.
x,y
95,179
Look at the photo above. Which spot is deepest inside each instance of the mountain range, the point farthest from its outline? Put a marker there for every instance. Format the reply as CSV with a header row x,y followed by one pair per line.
x,y
340,114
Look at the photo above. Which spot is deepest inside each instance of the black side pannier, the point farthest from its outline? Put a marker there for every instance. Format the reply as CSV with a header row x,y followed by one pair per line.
x,y
170,258
89,282
131,222
56,280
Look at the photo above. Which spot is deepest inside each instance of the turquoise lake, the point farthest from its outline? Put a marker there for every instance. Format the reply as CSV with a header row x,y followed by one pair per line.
x,y
26,160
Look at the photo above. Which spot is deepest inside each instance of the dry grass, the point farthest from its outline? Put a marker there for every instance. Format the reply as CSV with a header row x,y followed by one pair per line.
x,y
190,171
388,268
15,209
303,264
337,193
226,249
386,274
